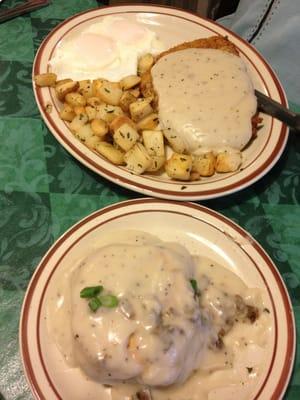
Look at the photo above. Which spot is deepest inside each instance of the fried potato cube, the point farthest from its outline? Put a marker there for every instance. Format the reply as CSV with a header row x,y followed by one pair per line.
x,y
154,142
75,99
179,166
62,81
157,163
110,93
135,92
137,159
145,63
48,79
125,136
149,122
92,141
93,101
90,112
120,120
129,82
78,122
175,141
86,136
67,113
125,133
99,127
79,110
140,109
108,113
112,154
228,161
84,132
126,99
96,85
204,164
65,88
146,85
85,88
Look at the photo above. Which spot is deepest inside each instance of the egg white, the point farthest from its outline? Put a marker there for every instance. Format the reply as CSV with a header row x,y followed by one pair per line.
x,y
109,49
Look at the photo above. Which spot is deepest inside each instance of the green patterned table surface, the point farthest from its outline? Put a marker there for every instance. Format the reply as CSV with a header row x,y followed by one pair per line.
x,y
44,190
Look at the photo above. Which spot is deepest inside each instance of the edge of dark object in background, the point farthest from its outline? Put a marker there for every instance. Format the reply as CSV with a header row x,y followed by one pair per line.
x,y
215,8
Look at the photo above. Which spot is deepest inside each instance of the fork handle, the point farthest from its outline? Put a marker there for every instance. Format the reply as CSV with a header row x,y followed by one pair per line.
x,y
276,110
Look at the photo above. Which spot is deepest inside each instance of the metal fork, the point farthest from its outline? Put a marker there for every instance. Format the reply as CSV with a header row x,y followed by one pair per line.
x,y
276,110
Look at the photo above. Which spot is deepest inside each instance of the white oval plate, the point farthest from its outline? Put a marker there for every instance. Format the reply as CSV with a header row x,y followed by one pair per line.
x,y
203,232
172,26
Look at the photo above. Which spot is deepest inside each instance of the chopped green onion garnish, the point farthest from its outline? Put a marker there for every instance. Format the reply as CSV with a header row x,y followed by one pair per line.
x,y
194,285
92,291
94,304
109,301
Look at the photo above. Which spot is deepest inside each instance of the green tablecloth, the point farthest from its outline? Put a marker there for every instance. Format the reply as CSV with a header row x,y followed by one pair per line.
x,y
44,190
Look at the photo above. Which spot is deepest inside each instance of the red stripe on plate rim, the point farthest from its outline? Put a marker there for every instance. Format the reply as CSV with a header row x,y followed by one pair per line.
x,y
24,340
250,178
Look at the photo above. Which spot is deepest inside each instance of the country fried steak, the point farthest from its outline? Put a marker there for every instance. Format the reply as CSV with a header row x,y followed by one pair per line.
x,y
213,42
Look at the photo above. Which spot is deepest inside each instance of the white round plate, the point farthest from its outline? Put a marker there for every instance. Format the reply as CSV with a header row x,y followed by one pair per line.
x,y
172,26
203,232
